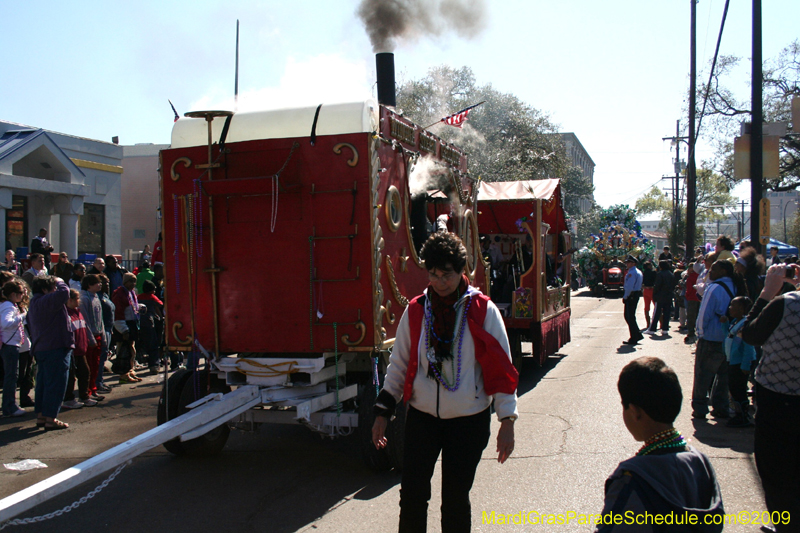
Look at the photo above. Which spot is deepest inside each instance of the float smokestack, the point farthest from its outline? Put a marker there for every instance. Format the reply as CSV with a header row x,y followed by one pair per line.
x,y
384,67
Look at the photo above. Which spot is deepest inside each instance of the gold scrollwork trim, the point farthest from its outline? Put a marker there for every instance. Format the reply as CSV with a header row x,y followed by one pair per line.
x,y
471,228
187,341
186,163
402,300
390,317
362,328
394,209
353,161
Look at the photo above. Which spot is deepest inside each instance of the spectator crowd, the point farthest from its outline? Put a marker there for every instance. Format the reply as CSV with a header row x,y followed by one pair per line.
x,y
742,315
61,323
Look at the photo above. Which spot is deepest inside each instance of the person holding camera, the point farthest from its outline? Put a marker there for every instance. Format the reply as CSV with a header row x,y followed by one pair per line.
x,y
774,324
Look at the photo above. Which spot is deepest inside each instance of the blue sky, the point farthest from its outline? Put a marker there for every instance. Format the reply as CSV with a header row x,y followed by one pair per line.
x,y
613,72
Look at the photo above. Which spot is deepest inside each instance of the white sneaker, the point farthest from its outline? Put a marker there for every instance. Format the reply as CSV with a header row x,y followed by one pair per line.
x,y
18,412
72,404
649,332
88,402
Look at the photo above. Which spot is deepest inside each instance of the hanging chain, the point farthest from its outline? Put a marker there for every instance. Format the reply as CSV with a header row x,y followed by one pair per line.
x,y
68,508
375,378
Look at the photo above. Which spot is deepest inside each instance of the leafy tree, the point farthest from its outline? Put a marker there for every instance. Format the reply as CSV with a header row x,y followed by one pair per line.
x,y
506,139
712,191
793,236
576,187
725,110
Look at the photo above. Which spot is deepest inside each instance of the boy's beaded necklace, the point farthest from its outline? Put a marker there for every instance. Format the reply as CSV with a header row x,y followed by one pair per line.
x,y
670,438
430,352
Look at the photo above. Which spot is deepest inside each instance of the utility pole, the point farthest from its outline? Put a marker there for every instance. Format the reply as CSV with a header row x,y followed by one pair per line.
x,y
676,201
756,134
740,227
691,172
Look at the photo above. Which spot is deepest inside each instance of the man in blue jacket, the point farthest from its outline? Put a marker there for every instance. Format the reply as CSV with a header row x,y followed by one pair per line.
x,y
710,362
630,299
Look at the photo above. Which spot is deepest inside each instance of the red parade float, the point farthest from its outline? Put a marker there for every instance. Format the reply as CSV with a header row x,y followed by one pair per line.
x,y
290,251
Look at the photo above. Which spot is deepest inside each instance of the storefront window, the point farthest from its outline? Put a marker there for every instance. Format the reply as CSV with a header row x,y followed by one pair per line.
x,y
92,230
17,224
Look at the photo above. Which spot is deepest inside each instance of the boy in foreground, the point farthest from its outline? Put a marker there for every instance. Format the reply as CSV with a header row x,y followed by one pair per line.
x,y
668,479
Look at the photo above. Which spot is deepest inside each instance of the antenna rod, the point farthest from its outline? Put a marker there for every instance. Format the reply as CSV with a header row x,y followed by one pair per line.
x,y
236,81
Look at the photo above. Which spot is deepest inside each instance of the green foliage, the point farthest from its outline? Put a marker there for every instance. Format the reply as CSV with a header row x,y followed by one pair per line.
x,y
576,187
505,138
725,110
793,228
712,192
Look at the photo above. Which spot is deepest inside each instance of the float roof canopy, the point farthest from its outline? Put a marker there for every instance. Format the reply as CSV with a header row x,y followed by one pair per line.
x,y
358,117
502,203
499,191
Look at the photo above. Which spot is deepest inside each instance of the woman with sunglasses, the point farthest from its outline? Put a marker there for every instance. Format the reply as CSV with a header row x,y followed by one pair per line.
x,y
450,361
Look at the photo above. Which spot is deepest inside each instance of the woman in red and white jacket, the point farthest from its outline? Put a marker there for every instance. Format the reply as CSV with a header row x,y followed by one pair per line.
x,y
450,361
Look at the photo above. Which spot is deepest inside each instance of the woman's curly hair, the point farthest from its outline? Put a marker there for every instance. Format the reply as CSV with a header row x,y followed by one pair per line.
x,y
442,249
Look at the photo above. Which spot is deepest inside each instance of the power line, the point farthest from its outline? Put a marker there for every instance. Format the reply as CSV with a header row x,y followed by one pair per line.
x,y
713,66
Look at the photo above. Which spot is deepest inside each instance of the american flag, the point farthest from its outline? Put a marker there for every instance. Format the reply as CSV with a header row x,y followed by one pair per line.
x,y
458,119
174,111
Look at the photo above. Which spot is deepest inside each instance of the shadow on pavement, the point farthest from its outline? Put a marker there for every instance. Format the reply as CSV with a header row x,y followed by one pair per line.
x,y
532,373
716,434
277,479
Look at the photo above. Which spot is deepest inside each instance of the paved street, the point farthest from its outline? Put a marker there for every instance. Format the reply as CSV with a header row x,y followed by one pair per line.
x,y
570,436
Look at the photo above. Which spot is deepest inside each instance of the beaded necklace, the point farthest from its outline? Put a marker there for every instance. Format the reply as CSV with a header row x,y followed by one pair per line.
x,y
670,438
430,353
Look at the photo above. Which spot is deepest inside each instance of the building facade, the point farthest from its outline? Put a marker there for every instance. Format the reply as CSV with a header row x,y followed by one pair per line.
x,y
783,209
141,220
67,185
579,157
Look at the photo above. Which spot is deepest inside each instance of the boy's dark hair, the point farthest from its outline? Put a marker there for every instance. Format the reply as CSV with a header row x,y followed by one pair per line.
x,y
664,264
44,282
648,265
726,242
442,248
773,248
148,287
89,280
648,383
744,301
725,265
73,294
35,257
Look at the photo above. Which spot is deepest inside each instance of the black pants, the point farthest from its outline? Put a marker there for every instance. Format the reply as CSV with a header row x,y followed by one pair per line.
x,y
661,313
461,442
631,303
777,452
25,379
80,368
737,384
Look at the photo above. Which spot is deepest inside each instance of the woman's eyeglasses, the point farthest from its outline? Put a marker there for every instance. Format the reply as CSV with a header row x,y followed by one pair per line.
x,y
444,277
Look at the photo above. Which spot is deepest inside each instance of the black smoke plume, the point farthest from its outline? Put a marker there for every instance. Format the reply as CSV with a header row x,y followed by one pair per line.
x,y
389,21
